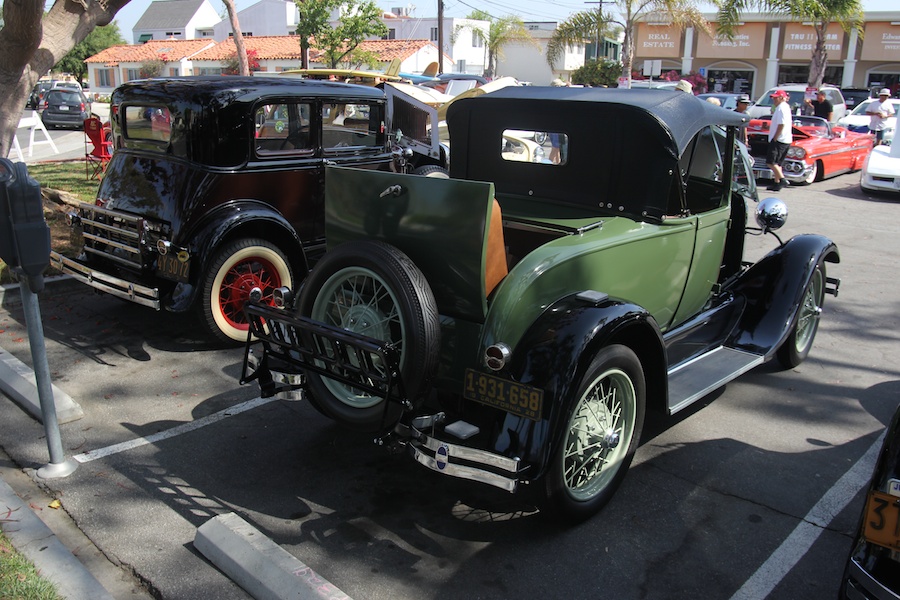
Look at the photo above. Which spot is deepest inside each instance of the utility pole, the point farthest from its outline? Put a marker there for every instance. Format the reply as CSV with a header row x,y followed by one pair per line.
x,y
440,36
599,4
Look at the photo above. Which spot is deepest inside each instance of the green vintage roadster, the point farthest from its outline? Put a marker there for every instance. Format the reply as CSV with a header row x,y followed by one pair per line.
x,y
511,325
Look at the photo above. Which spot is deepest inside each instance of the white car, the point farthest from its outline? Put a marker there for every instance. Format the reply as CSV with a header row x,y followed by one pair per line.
x,y
881,172
797,95
858,120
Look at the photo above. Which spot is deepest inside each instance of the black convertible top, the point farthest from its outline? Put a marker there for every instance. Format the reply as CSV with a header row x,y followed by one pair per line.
x,y
623,145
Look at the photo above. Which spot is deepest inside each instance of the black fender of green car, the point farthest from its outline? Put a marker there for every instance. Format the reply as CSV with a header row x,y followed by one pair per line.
x,y
773,288
234,220
556,350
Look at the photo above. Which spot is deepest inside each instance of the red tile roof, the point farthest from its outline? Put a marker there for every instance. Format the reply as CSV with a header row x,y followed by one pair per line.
x,y
171,50
267,48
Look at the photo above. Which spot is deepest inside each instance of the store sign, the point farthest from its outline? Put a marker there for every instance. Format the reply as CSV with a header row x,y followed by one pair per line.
x,y
882,42
800,41
748,43
663,41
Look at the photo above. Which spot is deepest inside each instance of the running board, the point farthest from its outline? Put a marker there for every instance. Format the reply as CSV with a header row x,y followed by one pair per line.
x,y
692,380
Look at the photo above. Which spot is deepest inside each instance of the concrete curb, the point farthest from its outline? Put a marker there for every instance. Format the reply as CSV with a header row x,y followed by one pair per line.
x,y
264,569
38,543
17,381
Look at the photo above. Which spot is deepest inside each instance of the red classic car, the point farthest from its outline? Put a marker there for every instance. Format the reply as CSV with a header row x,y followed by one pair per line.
x,y
819,150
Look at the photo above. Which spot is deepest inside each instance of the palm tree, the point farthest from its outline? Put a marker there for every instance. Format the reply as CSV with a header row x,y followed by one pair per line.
x,y
849,13
582,26
500,32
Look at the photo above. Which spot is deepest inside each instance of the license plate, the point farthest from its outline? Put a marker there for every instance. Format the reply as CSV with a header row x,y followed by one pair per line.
x,y
63,107
882,523
513,397
174,267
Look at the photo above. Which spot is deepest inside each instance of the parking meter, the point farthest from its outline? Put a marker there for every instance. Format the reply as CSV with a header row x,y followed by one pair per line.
x,y
24,234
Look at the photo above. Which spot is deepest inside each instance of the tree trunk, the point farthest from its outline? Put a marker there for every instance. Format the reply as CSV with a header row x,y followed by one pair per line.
x,y
243,64
31,42
819,57
628,51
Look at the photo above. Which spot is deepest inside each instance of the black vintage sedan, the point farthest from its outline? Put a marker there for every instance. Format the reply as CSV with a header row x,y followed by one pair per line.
x,y
873,569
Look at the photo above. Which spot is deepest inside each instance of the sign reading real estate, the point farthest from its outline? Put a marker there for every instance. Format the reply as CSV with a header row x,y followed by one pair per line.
x,y
799,41
662,41
748,42
882,42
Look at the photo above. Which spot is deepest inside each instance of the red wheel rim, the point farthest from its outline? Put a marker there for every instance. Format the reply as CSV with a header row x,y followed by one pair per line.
x,y
242,277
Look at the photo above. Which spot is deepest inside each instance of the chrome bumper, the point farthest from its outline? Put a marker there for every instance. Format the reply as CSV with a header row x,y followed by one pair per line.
x,y
114,286
442,457
794,170
871,588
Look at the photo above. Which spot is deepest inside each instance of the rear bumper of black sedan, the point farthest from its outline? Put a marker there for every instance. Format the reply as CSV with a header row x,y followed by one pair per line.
x,y
859,584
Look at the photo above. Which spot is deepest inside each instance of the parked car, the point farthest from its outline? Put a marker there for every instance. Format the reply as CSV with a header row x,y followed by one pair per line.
x,y
217,186
728,101
819,150
511,324
797,96
873,567
37,93
853,96
67,85
858,120
881,171
63,107
637,84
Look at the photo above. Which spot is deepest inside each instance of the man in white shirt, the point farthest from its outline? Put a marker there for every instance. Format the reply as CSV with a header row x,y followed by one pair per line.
x,y
879,112
780,138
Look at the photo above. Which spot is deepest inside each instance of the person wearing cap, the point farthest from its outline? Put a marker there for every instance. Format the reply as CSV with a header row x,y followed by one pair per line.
x,y
684,86
821,106
879,112
743,102
780,139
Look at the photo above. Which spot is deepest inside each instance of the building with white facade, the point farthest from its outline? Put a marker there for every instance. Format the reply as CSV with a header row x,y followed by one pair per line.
x,y
176,19
528,62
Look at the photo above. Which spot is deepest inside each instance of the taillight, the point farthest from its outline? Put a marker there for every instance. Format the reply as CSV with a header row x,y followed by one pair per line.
x,y
82,107
46,103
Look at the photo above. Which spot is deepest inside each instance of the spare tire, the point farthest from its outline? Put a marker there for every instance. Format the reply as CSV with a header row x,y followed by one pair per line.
x,y
372,288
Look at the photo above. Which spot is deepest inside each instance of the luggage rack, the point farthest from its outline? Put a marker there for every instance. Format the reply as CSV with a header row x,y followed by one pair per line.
x,y
293,344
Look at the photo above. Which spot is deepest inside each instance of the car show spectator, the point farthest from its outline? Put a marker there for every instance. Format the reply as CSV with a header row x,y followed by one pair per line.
x,y
714,100
821,107
879,112
685,86
743,102
780,138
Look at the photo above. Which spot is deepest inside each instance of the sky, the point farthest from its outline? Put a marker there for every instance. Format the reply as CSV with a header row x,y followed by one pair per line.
x,y
528,10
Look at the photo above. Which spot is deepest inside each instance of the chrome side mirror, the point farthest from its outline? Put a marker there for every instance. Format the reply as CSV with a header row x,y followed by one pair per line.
x,y
771,214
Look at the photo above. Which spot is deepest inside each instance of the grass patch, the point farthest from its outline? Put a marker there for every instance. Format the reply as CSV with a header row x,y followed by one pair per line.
x,y
63,176
19,579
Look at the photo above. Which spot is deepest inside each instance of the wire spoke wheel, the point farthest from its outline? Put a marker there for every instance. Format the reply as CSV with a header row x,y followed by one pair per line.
x,y
604,417
359,300
799,342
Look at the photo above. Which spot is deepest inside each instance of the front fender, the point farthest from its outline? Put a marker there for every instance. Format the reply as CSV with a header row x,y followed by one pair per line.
x,y
245,218
553,354
774,287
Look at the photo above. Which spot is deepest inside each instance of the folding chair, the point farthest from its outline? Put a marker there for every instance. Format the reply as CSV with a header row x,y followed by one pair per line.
x,y
96,159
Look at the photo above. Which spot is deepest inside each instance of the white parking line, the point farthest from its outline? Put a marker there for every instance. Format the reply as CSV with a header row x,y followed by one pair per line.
x,y
170,433
810,528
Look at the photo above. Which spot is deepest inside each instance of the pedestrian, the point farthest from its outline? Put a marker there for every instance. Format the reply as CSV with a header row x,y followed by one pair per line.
x,y
714,101
743,102
684,86
821,106
879,112
780,139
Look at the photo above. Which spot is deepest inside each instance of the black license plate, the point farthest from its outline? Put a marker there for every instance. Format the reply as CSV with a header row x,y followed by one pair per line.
x,y
174,267
513,397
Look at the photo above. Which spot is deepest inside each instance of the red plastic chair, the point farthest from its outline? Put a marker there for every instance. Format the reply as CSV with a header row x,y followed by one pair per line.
x,y
96,159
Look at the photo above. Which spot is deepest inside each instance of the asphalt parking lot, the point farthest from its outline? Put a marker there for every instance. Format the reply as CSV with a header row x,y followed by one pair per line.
x,y
752,493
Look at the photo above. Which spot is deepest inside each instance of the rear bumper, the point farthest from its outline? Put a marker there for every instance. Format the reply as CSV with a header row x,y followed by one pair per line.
x,y
858,584
121,288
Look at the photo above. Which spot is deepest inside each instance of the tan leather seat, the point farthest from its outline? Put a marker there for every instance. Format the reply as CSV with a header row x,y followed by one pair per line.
x,y
495,266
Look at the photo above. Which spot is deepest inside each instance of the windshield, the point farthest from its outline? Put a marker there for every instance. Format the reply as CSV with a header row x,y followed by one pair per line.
x,y
795,100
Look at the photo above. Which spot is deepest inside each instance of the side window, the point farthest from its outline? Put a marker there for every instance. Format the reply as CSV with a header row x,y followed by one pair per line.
x,y
283,128
352,127
704,181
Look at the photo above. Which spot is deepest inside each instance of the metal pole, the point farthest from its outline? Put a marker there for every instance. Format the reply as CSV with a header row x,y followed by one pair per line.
x,y
59,466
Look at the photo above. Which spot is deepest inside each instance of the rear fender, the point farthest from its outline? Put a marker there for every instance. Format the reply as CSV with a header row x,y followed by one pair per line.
x,y
773,288
553,354
238,220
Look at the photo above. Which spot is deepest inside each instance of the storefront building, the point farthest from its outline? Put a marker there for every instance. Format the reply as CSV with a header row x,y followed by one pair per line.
x,y
767,50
